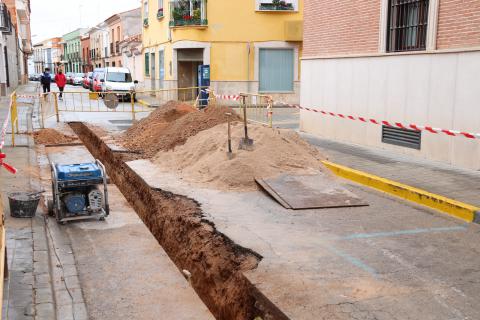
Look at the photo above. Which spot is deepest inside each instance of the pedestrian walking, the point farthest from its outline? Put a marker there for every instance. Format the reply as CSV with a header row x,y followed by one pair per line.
x,y
46,80
61,81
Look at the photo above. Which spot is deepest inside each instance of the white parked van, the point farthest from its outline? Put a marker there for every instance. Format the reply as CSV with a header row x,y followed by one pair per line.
x,y
118,80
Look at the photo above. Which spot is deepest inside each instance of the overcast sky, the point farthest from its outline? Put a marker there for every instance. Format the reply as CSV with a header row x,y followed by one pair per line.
x,y
54,18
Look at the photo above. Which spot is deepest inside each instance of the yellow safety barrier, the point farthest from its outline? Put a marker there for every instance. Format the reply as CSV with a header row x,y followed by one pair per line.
x,y
189,95
130,102
257,108
14,116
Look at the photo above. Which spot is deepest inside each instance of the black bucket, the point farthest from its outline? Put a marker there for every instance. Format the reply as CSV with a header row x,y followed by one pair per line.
x,y
23,204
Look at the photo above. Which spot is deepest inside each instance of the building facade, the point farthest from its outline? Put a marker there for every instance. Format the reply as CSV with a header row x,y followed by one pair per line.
x,y
87,65
131,51
19,11
9,55
46,54
411,62
72,49
121,26
251,46
99,42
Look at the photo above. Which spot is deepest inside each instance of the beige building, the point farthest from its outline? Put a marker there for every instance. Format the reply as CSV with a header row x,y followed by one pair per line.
x,y
121,26
409,62
99,42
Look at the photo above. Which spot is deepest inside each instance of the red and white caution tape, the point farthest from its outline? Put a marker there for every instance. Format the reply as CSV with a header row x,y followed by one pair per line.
x,y
27,96
232,97
3,133
449,132
8,167
4,128
227,97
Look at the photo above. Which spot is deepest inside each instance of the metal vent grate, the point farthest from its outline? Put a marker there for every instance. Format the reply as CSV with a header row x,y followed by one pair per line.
x,y
402,137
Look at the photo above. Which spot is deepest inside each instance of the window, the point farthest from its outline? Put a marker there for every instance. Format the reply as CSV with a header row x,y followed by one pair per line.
x,y
276,70
407,25
5,21
119,77
147,64
161,66
160,9
145,9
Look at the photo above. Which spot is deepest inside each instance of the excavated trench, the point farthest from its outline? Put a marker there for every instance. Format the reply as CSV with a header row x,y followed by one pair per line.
x,y
216,263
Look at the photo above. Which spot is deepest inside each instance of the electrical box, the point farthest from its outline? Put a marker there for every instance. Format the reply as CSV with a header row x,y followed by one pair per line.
x,y
203,83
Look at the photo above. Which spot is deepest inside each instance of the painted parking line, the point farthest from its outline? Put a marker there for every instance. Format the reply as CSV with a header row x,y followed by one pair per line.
x,y
401,233
352,260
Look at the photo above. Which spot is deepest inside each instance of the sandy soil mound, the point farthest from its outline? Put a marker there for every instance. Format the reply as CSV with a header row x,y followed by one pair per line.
x,y
171,126
144,135
203,160
52,136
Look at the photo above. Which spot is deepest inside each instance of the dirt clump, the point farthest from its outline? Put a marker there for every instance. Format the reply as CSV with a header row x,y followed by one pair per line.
x,y
146,132
171,126
203,158
52,136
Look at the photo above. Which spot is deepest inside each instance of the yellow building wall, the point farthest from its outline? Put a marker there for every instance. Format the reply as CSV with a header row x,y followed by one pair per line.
x,y
229,61
232,27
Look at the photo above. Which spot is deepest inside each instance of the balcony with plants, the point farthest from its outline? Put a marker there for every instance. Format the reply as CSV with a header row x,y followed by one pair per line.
x,y
276,5
188,13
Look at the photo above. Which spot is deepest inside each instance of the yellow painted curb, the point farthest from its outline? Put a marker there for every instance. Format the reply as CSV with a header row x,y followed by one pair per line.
x,y
443,204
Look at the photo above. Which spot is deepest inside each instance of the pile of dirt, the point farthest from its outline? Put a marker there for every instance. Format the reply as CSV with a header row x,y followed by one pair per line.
x,y
145,133
52,136
171,126
203,159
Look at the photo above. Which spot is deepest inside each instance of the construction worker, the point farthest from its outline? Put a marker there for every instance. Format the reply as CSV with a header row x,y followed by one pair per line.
x,y
46,80
61,81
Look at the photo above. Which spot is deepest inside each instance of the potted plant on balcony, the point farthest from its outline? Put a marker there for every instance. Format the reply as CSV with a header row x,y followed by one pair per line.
x,y
160,13
197,16
145,22
276,5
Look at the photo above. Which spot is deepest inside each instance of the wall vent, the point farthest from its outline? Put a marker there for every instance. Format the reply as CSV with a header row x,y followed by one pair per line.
x,y
402,137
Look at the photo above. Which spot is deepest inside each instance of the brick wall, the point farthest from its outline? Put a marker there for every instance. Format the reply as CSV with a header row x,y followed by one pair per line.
x,y
458,24
334,27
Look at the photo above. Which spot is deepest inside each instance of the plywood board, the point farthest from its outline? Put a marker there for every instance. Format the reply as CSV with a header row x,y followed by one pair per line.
x,y
309,192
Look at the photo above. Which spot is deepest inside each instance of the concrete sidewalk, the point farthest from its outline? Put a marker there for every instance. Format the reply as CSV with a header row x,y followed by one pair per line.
x,y
438,178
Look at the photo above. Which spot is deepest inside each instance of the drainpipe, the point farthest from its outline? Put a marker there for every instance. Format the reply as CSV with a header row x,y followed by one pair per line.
x,y
248,66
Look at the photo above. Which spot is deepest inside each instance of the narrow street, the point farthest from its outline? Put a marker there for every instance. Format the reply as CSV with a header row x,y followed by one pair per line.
x,y
386,256
212,159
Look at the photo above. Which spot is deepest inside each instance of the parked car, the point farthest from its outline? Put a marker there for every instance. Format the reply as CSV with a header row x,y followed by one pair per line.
x,y
119,81
97,81
77,79
34,77
69,76
94,75
87,79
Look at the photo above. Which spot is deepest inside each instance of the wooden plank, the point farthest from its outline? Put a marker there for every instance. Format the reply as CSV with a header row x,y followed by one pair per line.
x,y
311,192
272,192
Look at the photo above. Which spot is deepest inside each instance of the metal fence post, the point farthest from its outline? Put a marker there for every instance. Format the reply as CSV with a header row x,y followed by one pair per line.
x,y
132,100
56,106
270,112
15,107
